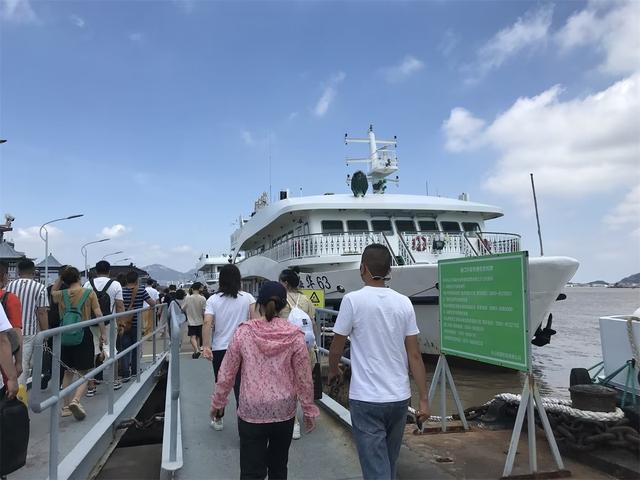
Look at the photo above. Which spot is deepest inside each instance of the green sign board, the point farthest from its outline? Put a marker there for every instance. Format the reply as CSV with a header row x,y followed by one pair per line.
x,y
484,309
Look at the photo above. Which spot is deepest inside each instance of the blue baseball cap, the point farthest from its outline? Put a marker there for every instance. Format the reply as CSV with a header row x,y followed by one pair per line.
x,y
273,291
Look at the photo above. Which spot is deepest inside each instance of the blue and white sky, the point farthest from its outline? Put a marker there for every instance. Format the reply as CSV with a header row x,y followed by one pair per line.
x,y
155,119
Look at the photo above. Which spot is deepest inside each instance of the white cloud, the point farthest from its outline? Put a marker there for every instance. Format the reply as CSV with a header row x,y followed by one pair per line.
x,y
136,37
403,70
77,21
292,116
18,11
247,137
574,147
328,94
115,231
462,130
33,233
612,28
626,215
527,32
448,43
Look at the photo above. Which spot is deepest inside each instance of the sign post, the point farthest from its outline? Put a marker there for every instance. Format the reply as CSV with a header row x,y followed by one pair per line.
x,y
484,316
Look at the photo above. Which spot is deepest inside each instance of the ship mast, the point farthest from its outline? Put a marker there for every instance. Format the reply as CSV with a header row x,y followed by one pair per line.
x,y
382,160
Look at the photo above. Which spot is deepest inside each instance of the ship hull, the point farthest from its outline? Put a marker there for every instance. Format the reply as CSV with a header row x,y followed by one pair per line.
x,y
547,277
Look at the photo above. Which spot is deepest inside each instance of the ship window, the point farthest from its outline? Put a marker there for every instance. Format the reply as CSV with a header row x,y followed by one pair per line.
x,y
357,226
450,226
471,227
405,226
332,226
428,226
381,226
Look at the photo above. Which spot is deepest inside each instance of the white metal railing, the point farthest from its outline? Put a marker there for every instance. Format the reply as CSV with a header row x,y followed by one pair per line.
x,y
318,244
428,244
41,400
412,247
172,450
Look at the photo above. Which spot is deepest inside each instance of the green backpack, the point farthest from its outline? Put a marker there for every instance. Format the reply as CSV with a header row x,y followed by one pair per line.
x,y
71,316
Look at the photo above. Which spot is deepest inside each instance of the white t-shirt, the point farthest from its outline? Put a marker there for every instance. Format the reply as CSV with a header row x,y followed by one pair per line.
x,y
377,321
4,322
228,313
153,293
114,291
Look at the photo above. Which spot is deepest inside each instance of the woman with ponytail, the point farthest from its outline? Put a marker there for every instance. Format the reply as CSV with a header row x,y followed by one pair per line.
x,y
275,376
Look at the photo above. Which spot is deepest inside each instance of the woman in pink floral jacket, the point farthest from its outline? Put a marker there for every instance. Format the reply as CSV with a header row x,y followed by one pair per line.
x,y
275,375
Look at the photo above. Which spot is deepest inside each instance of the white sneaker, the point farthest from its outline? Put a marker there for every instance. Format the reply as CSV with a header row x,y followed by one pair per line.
x,y
217,424
296,431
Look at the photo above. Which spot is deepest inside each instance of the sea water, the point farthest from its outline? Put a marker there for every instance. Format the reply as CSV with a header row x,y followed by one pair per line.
x,y
576,344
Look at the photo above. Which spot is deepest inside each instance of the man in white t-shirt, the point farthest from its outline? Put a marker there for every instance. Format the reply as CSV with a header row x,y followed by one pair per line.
x,y
6,358
381,326
112,288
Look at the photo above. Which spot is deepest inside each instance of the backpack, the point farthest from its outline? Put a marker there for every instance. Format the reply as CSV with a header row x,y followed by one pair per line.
x,y
300,319
72,315
104,300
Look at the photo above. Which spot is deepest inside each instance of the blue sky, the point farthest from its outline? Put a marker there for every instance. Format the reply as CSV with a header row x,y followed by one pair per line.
x,y
156,119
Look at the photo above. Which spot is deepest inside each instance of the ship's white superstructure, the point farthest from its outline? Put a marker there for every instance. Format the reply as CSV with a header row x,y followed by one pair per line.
x,y
208,269
325,235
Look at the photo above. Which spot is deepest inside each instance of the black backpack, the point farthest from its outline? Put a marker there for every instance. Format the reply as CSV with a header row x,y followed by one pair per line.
x,y
104,300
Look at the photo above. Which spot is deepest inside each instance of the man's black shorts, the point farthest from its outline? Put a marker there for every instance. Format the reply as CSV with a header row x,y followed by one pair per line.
x,y
194,331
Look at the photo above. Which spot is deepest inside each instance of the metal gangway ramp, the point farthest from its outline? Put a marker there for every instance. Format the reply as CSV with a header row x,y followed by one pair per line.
x,y
62,448
193,450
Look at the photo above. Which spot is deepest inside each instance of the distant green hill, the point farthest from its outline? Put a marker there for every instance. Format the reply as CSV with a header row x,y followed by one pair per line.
x,y
635,278
598,282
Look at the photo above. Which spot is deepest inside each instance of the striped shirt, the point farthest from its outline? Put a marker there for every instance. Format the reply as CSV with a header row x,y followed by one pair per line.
x,y
32,295
141,296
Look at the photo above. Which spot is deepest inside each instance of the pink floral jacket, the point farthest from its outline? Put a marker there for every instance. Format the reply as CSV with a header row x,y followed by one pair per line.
x,y
275,372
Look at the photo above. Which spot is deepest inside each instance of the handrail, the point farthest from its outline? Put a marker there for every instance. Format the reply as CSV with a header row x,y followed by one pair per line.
x,y
394,261
39,402
174,385
470,245
405,249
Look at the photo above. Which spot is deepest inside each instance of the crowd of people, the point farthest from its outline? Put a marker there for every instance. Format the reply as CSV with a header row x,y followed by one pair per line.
x,y
263,348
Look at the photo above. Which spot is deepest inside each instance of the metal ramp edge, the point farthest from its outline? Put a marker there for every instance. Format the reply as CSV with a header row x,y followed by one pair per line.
x,y
89,455
172,458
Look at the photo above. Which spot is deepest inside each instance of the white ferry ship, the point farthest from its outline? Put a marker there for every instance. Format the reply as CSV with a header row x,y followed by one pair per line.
x,y
324,235
208,269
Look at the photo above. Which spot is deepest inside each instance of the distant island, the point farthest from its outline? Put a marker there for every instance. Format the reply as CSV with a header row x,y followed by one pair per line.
x,y
632,281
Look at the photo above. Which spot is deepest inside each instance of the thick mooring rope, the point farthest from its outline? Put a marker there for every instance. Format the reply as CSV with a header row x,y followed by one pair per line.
x,y
559,405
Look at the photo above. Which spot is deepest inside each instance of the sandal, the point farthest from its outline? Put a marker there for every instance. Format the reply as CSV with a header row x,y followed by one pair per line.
x,y
77,410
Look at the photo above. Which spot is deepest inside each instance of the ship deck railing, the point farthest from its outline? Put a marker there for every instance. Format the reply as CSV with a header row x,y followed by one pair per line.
x,y
408,247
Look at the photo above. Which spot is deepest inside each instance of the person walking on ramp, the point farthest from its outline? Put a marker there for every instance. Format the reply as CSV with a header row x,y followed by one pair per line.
x,y
381,326
275,375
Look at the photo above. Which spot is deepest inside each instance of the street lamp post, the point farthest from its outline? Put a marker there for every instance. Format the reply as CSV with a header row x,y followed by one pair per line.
x,y
83,250
114,253
122,260
45,239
